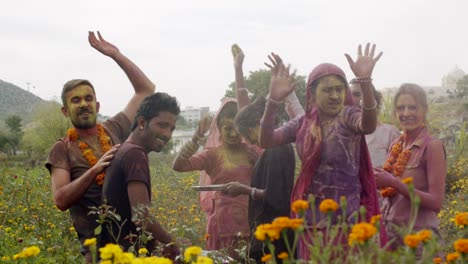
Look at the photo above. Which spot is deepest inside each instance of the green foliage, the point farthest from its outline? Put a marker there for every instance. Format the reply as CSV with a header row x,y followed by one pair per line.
x,y
461,88
258,83
49,124
15,134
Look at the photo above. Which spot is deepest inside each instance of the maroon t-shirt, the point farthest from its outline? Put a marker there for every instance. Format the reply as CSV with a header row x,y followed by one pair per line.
x,y
130,163
67,155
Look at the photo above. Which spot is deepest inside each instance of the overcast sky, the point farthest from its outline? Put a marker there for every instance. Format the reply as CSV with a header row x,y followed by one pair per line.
x,y
184,46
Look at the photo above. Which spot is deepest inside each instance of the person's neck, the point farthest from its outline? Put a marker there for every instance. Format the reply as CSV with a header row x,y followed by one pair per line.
x,y
87,132
232,147
135,139
410,136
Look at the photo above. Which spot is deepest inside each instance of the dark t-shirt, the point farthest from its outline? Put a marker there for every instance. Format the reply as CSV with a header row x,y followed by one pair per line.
x,y
274,172
130,163
67,155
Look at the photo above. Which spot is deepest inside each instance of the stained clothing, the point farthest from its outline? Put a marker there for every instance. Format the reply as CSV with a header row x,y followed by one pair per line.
x,y
130,163
67,155
336,165
274,173
396,209
227,223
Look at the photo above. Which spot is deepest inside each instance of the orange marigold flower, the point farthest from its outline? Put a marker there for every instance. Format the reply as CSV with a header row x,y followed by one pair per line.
x,y
260,233
396,164
461,245
282,222
412,241
407,180
328,205
206,236
461,219
266,257
451,257
296,223
283,255
361,232
376,218
425,235
437,260
299,205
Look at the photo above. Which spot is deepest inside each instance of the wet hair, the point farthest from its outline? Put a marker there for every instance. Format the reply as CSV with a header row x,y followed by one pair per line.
x,y
249,116
72,84
377,95
154,104
416,91
229,111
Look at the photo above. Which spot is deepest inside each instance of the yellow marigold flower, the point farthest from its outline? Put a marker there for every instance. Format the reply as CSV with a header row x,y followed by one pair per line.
x,y
266,257
16,256
90,242
461,245
296,223
110,251
412,241
192,252
203,260
5,258
407,180
328,205
299,206
206,236
437,260
425,235
461,219
142,251
451,257
283,255
282,222
376,218
72,229
260,233
361,232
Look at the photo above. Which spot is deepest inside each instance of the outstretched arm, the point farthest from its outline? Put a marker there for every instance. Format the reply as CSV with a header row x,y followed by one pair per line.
x,y
362,69
140,82
242,94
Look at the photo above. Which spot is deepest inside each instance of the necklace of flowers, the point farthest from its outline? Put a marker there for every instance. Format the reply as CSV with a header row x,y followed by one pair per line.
x,y
104,142
396,164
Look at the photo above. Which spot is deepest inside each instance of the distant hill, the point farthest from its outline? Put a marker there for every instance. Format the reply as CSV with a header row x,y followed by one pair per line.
x,y
15,100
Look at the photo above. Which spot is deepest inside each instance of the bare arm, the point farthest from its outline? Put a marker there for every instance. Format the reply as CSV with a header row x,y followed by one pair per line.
x,y
237,188
67,192
241,92
292,106
140,82
362,69
139,199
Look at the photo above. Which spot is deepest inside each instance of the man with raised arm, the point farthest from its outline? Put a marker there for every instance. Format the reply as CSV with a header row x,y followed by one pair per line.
x,y
76,162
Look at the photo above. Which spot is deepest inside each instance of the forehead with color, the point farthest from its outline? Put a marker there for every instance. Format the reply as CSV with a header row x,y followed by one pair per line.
x,y
330,81
80,91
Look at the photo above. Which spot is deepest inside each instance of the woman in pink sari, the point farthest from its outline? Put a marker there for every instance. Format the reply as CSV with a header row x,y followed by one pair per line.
x,y
230,161
329,137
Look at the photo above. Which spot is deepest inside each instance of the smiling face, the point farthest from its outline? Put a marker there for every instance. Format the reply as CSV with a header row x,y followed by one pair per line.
x,y
330,95
158,131
81,107
356,93
409,113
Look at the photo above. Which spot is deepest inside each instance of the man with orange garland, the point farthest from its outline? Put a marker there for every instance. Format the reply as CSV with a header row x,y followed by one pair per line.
x,y
77,162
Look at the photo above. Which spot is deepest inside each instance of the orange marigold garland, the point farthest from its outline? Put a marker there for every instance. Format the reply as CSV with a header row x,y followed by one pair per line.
x,y
396,164
104,142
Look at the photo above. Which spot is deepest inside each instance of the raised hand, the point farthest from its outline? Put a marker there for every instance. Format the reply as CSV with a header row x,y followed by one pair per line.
x,y
364,64
203,125
238,55
102,45
281,83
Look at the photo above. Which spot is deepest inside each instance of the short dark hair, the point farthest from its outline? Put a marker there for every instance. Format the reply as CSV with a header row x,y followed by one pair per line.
x,y
229,110
72,84
249,116
153,104
377,95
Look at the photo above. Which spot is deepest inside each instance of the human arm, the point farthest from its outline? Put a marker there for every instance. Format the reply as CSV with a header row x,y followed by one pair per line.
x,y
67,192
241,91
362,69
237,188
140,82
140,202
436,174
182,160
292,106
280,86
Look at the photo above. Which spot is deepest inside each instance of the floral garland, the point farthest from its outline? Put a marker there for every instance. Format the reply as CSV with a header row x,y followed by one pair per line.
x,y
396,164
104,142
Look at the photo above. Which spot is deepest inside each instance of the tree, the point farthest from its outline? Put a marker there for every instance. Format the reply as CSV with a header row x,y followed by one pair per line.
x,y
15,134
258,83
461,88
48,125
